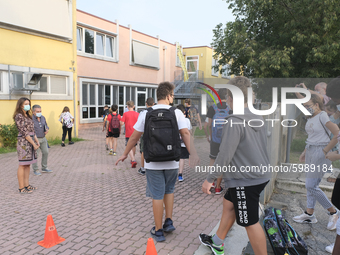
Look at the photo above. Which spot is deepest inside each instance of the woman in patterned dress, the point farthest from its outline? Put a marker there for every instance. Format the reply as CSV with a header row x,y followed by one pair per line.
x,y
27,143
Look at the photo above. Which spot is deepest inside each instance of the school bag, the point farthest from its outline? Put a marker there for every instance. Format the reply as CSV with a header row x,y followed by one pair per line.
x,y
114,124
283,238
217,126
193,116
67,120
161,135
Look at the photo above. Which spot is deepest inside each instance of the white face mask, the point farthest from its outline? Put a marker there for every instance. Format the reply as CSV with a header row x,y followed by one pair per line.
x,y
38,114
338,106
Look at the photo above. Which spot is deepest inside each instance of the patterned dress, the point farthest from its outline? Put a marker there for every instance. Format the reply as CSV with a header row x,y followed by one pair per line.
x,y
26,153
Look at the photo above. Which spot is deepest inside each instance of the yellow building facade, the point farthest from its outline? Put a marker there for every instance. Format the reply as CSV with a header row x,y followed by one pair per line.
x,y
42,46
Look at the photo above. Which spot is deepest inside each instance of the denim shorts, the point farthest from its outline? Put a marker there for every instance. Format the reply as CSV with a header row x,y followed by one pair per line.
x,y
160,182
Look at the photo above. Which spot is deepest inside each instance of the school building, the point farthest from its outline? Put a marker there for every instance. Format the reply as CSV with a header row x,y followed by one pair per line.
x,y
199,63
38,58
117,64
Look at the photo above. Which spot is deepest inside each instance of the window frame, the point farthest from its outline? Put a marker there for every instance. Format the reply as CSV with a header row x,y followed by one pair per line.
x,y
106,35
192,60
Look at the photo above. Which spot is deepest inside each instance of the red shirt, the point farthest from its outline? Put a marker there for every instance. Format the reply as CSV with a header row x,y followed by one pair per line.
x,y
109,117
130,119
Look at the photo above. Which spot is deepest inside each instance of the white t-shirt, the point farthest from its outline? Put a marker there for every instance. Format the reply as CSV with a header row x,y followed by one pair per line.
x,y
139,126
188,126
316,131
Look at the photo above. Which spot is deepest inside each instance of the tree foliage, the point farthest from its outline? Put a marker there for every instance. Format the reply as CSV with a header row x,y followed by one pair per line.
x,y
281,38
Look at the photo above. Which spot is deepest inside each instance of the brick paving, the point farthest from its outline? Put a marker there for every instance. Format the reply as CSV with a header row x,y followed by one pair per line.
x,y
97,207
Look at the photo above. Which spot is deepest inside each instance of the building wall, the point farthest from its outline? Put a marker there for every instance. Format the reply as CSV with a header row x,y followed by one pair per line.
x,y
119,70
23,50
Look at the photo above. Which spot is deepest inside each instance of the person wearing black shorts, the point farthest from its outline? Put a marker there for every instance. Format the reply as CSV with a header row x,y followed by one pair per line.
x,y
242,147
113,133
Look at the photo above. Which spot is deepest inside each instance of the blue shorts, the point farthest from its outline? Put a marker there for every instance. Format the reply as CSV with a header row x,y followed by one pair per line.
x,y
160,182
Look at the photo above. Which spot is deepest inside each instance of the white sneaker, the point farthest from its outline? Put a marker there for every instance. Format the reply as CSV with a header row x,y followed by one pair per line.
x,y
305,218
332,221
330,248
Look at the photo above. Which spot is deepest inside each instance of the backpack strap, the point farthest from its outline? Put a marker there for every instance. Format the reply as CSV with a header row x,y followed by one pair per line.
x,y
324,127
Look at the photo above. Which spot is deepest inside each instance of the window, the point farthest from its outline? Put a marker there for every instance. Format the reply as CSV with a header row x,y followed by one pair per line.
x,y
226,69
214,63
58,84
79,38
145,54
89,41
43,84
100,44
109,46
107,95
192,64
0,81
96,43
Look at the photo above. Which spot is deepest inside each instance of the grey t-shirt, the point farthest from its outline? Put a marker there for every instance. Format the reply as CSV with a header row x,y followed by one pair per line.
x,y
316,129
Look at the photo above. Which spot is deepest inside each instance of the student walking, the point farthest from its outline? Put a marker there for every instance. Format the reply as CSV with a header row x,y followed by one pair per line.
x,y
114,126
27,145
161,162
149,103
241,145
192,113
184,151
66,119
105,113
318,128
130,118
41,129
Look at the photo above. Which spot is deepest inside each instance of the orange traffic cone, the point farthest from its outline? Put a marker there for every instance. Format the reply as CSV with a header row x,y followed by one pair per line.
x,y
151,248
51,237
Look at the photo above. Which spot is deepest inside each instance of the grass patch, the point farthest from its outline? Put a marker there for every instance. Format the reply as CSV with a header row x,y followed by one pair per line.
x,y
299,142
199,132
57,140
7,150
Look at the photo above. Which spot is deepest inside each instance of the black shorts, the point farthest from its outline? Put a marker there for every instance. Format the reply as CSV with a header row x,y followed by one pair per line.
x,y
126,141
114,135
184,153
214,149
246,203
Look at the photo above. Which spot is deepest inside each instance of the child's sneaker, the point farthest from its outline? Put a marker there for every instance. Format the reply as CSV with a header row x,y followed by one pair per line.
x,y
180,178
114,154
157,235
305,218
332,220
133,164
330,248
168,225
207,241
111,152
218,190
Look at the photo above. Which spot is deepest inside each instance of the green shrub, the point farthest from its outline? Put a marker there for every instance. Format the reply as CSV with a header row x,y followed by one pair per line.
x,y
9,134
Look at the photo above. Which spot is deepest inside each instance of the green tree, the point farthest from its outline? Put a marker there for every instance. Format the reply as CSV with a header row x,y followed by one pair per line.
x,y
281,38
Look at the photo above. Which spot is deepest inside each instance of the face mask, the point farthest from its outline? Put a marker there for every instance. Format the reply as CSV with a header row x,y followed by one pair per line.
x,y
27,107
311,110
338,106
335,121
38,114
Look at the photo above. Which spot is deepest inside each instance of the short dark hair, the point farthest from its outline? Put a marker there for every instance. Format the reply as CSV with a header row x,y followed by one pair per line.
x,y
333,88
222,93
188,101
150,101
164,89
36,106
181,107
114,107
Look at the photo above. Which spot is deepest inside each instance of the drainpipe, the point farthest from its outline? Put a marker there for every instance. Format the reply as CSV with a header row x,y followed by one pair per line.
x,y
164,51
74,107
289,141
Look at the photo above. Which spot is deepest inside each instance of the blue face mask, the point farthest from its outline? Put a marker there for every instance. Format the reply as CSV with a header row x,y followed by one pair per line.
x,y
338,106
38,114
27,107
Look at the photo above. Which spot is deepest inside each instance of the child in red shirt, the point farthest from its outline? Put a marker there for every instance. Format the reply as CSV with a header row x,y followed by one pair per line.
x,y
130,119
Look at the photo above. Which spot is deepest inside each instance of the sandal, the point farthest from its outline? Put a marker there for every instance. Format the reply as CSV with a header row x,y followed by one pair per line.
x,y
25,191
30,187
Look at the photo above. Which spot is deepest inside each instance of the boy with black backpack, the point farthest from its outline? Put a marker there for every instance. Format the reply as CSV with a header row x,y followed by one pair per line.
x,y
192,113
161,125
114,124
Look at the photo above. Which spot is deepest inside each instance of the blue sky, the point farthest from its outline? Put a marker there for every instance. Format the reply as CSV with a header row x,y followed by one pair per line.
x,y
189,22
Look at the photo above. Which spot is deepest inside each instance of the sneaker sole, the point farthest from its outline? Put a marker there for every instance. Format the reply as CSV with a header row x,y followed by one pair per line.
x,y
158,238
133,165
180,180
169,229
211,248
306,221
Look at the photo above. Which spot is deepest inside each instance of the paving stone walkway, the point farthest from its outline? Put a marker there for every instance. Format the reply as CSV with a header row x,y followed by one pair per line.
x,y
97,207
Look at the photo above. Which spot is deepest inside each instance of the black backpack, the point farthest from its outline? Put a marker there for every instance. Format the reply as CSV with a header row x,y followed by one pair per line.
x,y
161,136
